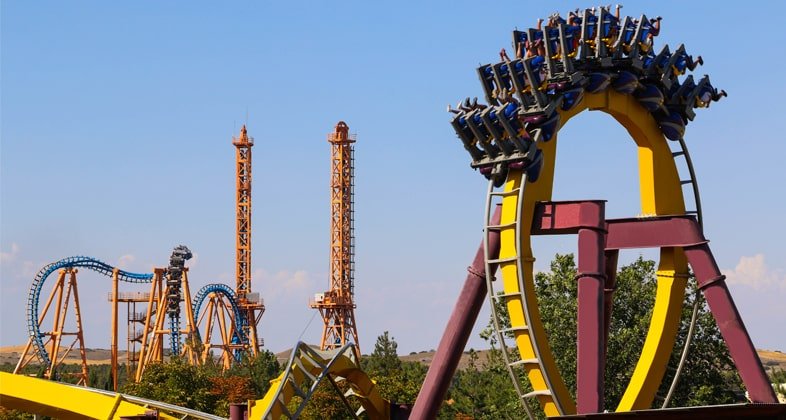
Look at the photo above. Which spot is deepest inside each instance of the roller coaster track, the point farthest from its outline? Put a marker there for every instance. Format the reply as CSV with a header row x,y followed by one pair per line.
x,y
66,401
227,293
305,370
33,297
518,289
512,141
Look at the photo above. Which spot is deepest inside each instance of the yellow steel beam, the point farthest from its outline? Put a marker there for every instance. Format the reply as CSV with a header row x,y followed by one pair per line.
x,y
48,398
281,389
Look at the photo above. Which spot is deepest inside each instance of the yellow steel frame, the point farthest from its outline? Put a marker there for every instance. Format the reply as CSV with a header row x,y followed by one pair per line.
x,y
660,194
62,401
343,365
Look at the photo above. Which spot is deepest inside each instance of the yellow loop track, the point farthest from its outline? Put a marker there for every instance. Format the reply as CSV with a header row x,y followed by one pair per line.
x,y
660,194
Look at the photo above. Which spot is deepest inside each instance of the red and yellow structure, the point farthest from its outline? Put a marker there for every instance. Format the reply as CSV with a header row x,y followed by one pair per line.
x,y
337,305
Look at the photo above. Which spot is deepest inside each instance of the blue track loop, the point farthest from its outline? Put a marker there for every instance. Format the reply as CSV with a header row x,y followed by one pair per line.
x,y
38,282
239,337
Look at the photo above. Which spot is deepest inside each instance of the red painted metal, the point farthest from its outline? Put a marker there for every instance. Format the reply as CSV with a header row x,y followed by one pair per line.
x,y
457,332
566,217
590,363
238,411
684,232
587,218
741,348
608,295
653,232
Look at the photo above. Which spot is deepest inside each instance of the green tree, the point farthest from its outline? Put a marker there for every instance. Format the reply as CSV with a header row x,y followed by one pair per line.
x,y
482,390
260,370
179,383
397,381
384,359
705,379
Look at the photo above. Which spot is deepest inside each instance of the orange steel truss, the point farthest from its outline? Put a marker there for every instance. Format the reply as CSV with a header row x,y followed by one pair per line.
x,y
65,289
250,304
337,305
154,331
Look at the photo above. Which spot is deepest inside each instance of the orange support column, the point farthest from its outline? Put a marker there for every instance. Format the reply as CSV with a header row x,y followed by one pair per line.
x,y
337,305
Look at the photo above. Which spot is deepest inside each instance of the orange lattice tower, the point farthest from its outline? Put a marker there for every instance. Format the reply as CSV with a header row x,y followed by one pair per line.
x,y
337,305
251,305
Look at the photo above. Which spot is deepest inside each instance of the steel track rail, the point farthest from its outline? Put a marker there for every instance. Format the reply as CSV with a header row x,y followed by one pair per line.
x,y
67,263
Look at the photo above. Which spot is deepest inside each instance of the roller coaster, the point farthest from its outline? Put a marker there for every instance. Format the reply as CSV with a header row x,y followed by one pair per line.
x,y
169,288
593,61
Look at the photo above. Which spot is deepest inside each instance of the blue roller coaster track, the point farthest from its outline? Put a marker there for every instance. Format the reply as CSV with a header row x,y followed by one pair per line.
x,y
222,289
38,282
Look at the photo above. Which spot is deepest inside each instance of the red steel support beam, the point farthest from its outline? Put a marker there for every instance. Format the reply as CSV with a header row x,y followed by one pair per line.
x,y
608,296
684,231
587,218
713,285
457,332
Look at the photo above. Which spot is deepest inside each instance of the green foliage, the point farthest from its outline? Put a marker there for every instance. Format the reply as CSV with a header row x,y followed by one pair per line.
x,y
260,370
397,381
778,378
482,391
13,415
206,388
384,359
325,404
176,382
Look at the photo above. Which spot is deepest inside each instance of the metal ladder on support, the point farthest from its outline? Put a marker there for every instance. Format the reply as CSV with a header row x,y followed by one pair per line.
x,y
512,358
682,151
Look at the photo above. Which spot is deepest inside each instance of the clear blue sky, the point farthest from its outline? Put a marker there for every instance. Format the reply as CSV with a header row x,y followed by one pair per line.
x,y
117,120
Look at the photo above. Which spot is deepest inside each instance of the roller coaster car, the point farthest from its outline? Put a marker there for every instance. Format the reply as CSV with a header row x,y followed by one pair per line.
x,y
475,124
672,125
589,32
672,70
497,169
463,132
520,42
681,98
658,66
486,75
642,43
520,82
606,33
650,96
554,65
625,82
535,35
508,118
704,93
502,79
546,123
597,82
509,132
533,71
628,45
496,131
572,97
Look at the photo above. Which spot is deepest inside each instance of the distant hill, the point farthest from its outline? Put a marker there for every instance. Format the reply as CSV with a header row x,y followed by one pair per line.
x,y
771,359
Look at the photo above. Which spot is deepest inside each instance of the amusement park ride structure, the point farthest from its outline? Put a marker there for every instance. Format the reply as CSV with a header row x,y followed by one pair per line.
x,y
233,313
251,305
595,62
337,305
